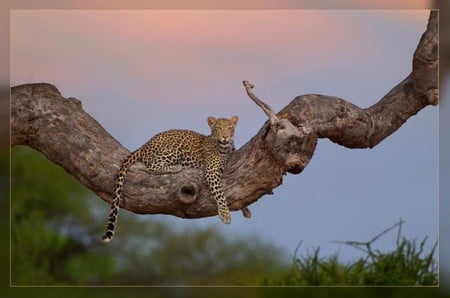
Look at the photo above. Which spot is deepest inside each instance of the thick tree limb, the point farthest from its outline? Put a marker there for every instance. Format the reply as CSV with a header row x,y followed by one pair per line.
x,y
59,128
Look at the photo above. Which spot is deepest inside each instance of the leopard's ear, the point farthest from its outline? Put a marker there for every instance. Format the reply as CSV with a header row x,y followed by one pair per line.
x,y
234,120
211,121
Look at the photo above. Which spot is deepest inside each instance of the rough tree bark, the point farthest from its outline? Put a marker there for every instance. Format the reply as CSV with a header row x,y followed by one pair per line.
x,y
58,127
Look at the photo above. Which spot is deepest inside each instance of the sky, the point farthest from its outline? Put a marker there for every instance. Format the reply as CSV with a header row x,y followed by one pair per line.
x,y
139,72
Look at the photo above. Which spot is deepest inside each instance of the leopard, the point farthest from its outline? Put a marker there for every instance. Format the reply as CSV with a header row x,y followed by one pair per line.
x,y
172,151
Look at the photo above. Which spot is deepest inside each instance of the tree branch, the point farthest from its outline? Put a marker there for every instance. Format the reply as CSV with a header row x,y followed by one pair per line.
x,y
58,127
273,119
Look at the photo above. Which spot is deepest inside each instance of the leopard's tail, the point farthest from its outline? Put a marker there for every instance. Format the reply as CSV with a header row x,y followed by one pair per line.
x,y
112,219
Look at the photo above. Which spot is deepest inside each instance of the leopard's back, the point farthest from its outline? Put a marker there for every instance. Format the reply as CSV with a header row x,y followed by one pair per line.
x,y
173,147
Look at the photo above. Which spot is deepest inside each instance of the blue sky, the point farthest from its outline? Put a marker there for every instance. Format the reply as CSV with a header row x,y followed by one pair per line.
x,y
139,72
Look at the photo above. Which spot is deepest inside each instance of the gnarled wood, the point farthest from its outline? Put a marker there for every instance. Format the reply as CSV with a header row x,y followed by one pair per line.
x,y
59,128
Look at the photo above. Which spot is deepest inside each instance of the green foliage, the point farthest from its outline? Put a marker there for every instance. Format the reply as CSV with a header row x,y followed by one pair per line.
x,y
38,184
201,257
406,265
4,219
43,197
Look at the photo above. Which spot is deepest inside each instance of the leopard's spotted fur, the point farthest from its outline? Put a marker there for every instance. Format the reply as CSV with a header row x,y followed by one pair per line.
x,y
173,150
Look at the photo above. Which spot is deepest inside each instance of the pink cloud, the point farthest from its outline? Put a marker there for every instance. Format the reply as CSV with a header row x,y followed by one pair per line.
x,y
389,4
169,29
152,49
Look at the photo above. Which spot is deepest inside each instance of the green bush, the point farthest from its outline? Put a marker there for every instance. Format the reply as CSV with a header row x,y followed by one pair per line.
x,y
408,264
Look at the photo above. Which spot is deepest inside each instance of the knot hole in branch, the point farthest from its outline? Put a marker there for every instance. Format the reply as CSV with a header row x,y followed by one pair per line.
x,y
188,193
291,146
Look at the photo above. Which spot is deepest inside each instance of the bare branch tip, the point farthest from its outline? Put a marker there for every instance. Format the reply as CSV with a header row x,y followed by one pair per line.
x,y
248,85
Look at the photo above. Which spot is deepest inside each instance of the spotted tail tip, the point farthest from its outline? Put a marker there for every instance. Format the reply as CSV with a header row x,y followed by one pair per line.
x,y
226,218
106,239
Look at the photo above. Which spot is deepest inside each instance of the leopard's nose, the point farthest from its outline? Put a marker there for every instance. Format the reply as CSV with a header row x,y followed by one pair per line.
x,y
224,139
